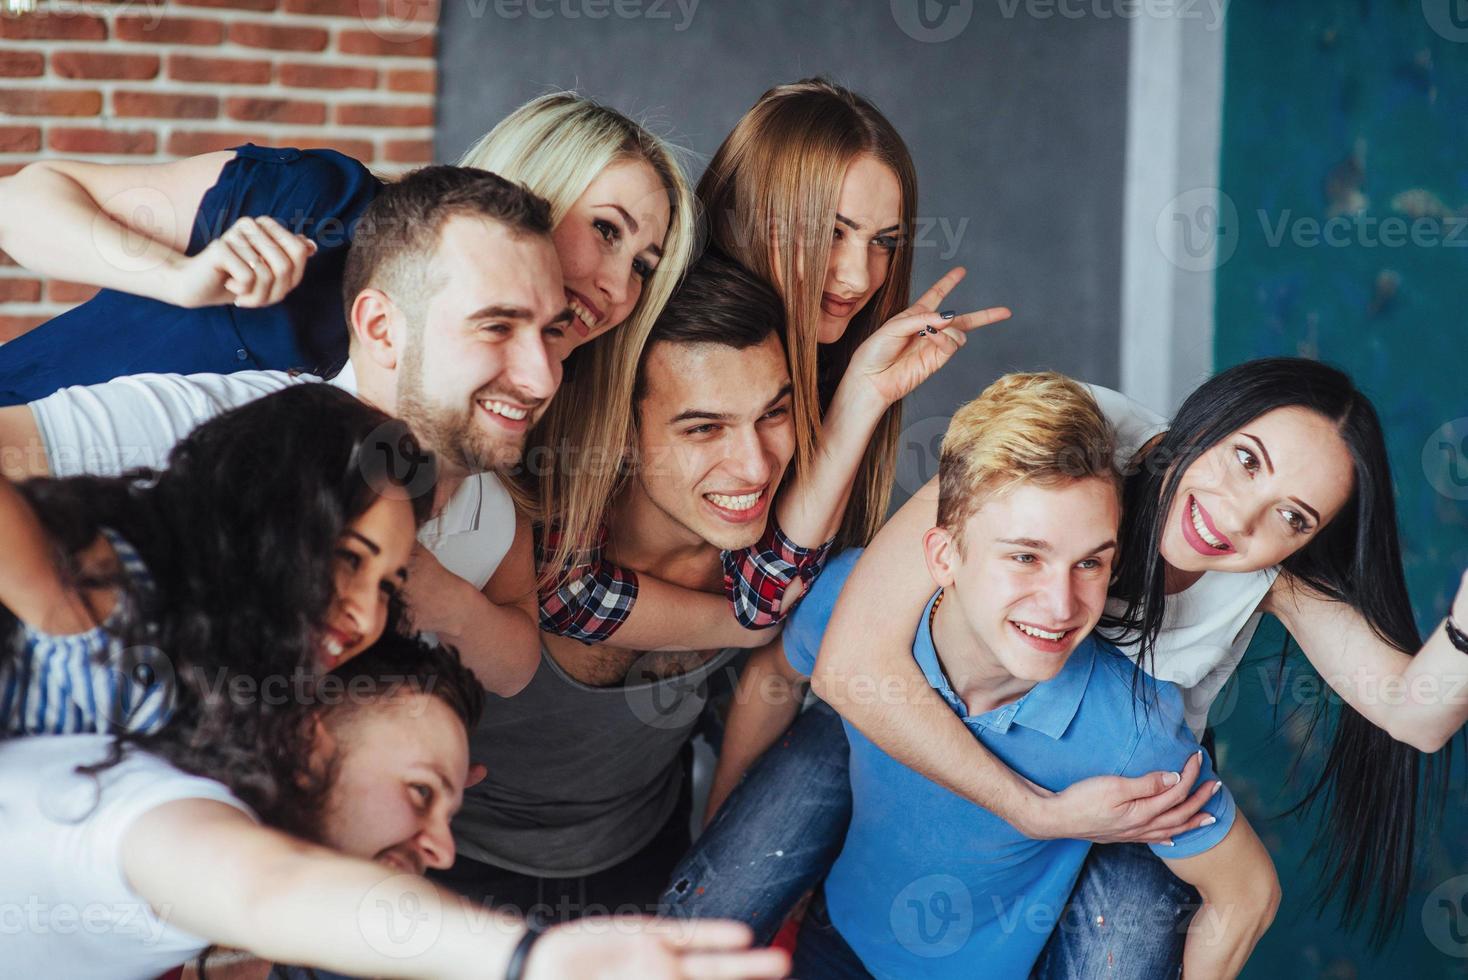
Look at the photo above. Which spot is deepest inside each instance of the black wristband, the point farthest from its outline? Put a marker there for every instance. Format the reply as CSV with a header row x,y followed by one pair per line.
x,y
534,929
1455,635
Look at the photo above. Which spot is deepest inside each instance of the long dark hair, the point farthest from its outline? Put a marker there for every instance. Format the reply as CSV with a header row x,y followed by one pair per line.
x,y
1368,786
240,535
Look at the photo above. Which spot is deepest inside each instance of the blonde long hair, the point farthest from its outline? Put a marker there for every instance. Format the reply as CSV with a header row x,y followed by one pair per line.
x,y
776,180
556,145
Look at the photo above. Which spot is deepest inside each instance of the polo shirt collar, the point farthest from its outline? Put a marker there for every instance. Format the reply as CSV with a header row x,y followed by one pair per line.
x,y
1047,707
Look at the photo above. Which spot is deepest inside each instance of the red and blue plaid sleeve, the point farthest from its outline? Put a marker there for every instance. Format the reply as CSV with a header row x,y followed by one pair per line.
x,y
755,579
592,596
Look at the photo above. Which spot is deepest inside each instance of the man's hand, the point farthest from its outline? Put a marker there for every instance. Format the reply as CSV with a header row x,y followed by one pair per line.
x,y
1150,809
635,948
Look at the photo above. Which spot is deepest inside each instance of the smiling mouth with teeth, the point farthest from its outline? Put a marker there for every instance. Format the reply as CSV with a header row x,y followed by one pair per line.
x,y
582,313
505,410
1039,633
1199,525
744,501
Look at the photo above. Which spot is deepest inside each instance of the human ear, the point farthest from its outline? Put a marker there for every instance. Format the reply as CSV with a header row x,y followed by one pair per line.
x,y
373,320
940,553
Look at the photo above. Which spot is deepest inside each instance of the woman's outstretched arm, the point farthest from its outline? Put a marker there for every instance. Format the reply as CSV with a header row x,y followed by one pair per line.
x,y
866,672
1421,700
293,902
127,227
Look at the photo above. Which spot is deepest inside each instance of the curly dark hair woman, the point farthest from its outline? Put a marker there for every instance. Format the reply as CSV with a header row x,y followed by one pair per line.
x,y
271,548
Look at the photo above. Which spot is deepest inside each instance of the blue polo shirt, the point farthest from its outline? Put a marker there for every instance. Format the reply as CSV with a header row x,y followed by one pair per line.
x,y
928,884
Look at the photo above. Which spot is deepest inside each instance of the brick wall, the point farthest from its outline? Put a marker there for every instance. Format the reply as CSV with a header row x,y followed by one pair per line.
x,y
149,81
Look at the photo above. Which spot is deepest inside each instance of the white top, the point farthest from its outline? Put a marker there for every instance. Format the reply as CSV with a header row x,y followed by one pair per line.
x,y
66,909
105,429
1207,627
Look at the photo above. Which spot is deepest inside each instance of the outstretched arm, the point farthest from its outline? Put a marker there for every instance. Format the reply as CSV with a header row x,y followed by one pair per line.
x,y
1421,700
293,902
867,648
127,227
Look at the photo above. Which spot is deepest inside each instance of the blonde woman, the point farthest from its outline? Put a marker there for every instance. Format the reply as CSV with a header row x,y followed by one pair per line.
x,y
233,260
813,177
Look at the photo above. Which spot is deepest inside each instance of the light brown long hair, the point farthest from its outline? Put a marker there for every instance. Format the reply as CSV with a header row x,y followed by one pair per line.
x,y
556,145
770,195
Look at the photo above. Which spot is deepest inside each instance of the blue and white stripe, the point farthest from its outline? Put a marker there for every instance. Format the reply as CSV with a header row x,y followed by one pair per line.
x,y
87,682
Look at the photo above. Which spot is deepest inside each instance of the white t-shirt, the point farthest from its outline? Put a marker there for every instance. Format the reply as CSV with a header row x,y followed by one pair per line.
x,y
66,909
133,421
1206,628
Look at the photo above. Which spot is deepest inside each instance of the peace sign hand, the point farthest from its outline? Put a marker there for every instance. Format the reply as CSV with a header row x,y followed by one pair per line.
x,y
909,348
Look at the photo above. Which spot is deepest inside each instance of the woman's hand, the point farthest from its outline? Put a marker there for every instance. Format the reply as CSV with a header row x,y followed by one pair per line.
x,y
909,348
635,948
1150,809
253,264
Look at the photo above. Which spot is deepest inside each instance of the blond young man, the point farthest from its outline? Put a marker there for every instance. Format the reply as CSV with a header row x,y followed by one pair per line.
x,y
927,883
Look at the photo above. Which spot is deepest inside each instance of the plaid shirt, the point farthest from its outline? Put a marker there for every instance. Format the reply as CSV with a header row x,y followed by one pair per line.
x,y
593,597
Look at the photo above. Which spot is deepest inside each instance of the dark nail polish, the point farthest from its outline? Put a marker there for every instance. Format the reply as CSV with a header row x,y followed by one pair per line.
x,y
948,314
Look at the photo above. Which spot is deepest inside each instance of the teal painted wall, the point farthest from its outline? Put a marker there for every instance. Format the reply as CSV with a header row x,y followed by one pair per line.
x,y
1345,159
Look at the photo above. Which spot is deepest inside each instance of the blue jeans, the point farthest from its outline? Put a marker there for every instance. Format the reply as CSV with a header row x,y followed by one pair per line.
x,y
1127,918
821,952
776,835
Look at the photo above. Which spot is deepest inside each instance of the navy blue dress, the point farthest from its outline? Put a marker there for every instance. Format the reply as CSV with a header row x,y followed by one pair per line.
x,y
317,193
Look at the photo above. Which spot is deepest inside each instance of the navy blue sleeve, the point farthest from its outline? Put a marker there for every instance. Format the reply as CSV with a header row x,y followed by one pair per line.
x,y
320,193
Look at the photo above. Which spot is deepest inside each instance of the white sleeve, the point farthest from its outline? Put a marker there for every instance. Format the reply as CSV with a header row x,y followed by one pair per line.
x,y
134,421
1133,422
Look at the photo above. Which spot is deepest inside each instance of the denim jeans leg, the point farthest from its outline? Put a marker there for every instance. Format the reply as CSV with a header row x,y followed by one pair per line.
x,y
821,952
1127,919
776,836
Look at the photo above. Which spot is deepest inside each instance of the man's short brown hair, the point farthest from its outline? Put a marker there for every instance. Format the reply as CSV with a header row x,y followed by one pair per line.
x,y
398,233
1039,428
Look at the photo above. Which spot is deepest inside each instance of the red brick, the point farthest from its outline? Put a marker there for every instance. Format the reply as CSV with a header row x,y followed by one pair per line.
x,y
256,5
408,151
96,64
390,46
419,12
424,80
50,102
218,71
170,30
162,106
384,115
21,64
61,291
65,140
278,38
20,139
20,290
359,149
361,9
190,144
7,169
44,25
276,110
13,326
327,76
7,260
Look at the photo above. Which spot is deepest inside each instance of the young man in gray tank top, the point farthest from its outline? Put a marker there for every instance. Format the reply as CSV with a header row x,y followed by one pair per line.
x,y
586,806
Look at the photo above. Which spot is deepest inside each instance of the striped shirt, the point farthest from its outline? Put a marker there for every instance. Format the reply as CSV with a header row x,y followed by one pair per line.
x,y
87,682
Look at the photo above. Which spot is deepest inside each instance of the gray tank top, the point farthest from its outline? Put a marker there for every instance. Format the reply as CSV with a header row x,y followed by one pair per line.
x,y
580,778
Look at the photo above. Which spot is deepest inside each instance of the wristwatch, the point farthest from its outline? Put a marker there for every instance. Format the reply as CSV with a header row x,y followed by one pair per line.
x,y
1455,635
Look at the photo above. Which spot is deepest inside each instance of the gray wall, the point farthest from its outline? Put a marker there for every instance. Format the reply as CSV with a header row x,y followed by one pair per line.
x,y
1017,126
